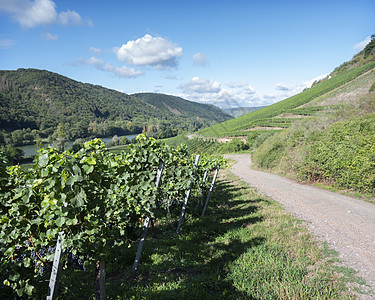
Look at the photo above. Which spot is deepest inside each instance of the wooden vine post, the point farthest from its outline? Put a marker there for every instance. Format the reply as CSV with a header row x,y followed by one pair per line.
x,y
145,225
100,281
211,189
187,196
202,190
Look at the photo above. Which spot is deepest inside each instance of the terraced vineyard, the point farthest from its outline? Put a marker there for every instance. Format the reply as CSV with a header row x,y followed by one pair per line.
x,y
270,115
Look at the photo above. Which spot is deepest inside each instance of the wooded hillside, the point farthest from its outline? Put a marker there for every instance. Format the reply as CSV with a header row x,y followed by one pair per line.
x,y
40,103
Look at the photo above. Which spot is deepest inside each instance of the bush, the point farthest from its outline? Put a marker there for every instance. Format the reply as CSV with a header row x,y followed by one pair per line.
x,y
270,151
344,154
235,145
13,154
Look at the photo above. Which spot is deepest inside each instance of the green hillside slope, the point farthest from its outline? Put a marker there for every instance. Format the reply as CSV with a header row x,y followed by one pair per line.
x,y
282,114
34,102
265,117
336,146
180,107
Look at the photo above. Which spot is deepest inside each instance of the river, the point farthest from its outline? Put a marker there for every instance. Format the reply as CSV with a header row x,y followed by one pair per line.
x,y
33,149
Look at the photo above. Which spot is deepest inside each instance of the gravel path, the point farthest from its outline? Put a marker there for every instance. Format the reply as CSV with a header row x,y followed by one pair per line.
x,y
346,224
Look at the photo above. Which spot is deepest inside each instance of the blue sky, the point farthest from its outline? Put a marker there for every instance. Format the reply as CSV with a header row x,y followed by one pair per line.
x,y
227,53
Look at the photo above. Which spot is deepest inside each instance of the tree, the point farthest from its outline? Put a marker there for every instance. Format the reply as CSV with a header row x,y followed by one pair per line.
x,y
59,138
13,154
370,46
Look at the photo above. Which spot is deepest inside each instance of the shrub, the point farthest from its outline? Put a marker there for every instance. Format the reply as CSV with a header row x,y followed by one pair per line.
x,y
344,154
234,145
270,152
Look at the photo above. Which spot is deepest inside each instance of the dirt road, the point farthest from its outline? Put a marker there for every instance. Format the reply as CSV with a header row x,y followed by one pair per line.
x,y
345,223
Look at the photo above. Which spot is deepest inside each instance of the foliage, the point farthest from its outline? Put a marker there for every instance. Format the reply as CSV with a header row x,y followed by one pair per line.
x,y
270,151
12,153
93,196
209,146
344,154
372,88
369,47
339,153
195,145
235,145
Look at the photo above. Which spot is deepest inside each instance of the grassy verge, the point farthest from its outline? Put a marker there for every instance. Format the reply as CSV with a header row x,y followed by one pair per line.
x,y
246,247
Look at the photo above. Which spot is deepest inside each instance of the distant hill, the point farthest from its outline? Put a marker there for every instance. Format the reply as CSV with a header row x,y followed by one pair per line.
x,y
180,107
240,111
46,104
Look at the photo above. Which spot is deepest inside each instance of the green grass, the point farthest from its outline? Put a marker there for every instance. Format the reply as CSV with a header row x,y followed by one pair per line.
x,y
246,247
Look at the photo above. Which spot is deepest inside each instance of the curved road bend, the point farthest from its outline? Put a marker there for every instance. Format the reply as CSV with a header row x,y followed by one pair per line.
x,y
346,224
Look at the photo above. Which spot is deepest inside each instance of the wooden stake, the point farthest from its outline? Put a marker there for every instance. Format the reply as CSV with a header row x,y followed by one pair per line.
x,y
145,225
187,197
211,189
100,281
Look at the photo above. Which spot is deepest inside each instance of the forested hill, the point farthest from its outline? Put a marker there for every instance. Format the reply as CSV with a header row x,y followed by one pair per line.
x,y
41,101
181,107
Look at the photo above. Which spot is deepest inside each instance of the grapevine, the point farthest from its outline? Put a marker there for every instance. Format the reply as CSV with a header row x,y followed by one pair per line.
x,y
94,197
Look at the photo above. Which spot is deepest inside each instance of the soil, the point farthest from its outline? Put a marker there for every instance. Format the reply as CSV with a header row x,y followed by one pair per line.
x,y
346,224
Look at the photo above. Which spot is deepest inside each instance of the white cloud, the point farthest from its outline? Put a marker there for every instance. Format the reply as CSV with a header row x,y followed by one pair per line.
x,y
157,52
200,59
223,95
50,36
97,51
69,17
237,84
96,62
101,65
361,45
6,44
171,77
200,86
122,71
237,95
30,13
283,87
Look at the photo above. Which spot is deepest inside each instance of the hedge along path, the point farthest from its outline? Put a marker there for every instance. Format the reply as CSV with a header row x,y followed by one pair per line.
x,y
345,223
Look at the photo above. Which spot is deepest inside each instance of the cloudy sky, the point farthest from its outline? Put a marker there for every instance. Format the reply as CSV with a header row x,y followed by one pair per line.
x,y
228,53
